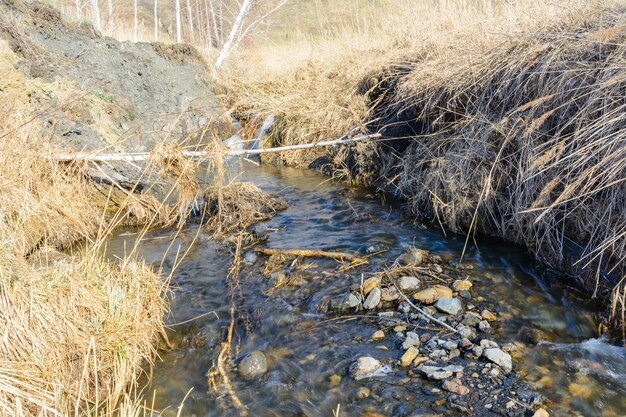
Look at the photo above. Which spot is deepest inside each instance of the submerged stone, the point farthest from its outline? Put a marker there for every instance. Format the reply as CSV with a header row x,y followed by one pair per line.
x,y
450,306
364,367
253,365
413,257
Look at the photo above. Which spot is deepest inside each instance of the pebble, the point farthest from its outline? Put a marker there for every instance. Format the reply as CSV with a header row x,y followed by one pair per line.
x,y
541,413
363,392
334,380
250,258
471,319
509,347
500,358
435,372
253,365
484,326
465,343
413,257
352,300
399,328
488,315
450,306
378,335
455,386
477,351
372,300
364,367
412,339
408,285
462,285
420,360
389,294
409,356
433,294
369,284
465,294
425,337
486,343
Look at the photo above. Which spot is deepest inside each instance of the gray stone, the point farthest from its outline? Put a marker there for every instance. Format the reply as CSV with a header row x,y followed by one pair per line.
x,y
351,300
373,299
500,358
435,372
389,294
471,319
364,367
484,326
408,285
412,340
450,306
253,365
413,257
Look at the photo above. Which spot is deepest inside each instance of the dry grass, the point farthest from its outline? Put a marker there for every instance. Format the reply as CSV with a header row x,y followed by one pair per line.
x,y
502,117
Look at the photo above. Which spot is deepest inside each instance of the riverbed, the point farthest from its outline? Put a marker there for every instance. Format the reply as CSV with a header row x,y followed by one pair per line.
x,y
559,362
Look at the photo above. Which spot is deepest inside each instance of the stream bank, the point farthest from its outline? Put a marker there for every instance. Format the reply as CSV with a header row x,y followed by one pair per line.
x,y
306,319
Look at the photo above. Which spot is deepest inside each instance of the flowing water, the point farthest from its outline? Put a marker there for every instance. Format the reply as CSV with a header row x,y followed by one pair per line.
x,y
310,348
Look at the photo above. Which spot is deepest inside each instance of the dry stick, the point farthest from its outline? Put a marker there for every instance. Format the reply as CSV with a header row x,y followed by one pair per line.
x,y
226,346
308,253
201,155
425,313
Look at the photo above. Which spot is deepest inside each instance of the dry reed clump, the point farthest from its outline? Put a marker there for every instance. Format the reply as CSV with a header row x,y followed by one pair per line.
x,y
76,331
235,207
503,118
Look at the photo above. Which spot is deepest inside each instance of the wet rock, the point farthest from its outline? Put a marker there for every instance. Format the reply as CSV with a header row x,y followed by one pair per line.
x,y
488,315
369,284
541,413
465,343
509,347
455,386
471,319
435,372
408,285
378,335
486,343
425,337
484,326
462,285
362,393
450,306
408,357
420,360
477,351
412,340
413,257
250,258
334,380
500,358
351,300
364,367
465,294
373,299
451,344
389,294
253,365
433,294
399,328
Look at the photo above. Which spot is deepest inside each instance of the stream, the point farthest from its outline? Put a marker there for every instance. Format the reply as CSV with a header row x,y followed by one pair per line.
x,y
558,359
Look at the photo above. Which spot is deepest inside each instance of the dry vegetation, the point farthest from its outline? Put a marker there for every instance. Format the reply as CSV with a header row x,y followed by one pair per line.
x,y
505,118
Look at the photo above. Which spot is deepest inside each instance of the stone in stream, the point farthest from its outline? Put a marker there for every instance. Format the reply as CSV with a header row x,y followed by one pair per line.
x,y
378,335
369,284
500,358
488,315
433,294
484,326
412,340
471,319
413,257
362,393
408,285
352,300
253,365
541,413
364,367
462,285
435,372
409,356
450,306
389,294
455,386
373,299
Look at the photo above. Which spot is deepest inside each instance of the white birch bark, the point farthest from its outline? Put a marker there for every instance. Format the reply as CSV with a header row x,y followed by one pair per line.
x,y
228,45
179,37
190,18
216,33
79,9
110,16
136,23
156,21
95,14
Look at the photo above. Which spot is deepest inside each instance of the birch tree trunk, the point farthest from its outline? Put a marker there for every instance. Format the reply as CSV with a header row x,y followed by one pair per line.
x,y
156,21
79,9
216,32
136,22
95,14
190,18
179,37
110,22
228,45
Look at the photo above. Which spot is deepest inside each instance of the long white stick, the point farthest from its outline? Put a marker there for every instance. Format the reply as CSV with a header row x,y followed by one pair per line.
x,y
201,155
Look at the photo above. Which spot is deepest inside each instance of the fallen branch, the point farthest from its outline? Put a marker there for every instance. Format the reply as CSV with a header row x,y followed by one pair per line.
x,y
308,253
202,155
